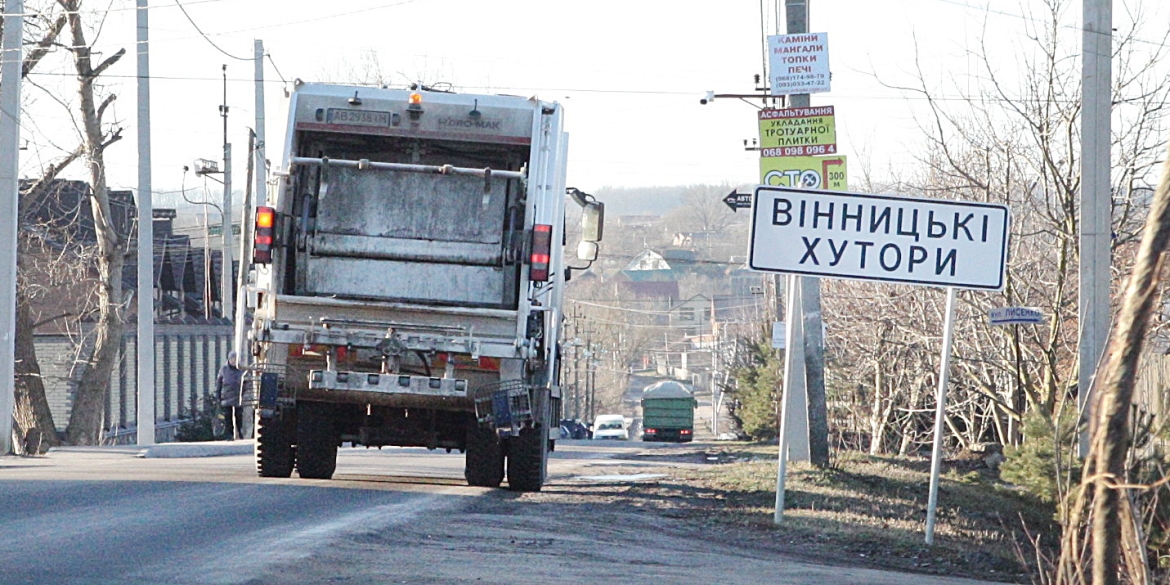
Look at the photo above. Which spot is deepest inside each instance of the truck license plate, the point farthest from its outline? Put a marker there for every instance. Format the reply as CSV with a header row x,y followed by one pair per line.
x,y
357,117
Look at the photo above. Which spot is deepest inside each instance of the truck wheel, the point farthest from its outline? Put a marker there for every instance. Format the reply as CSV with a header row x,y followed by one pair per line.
x,y
274,450
316,441
526,461
485,458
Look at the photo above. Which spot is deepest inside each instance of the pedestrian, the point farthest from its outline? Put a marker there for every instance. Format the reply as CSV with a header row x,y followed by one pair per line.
x,y
228,388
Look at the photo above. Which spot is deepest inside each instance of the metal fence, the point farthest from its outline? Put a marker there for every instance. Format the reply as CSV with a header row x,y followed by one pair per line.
x,y
187,359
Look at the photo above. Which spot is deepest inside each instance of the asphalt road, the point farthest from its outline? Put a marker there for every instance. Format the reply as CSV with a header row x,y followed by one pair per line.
x,y
101,516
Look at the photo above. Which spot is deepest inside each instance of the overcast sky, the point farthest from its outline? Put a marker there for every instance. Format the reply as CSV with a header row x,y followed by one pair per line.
x,y
629,72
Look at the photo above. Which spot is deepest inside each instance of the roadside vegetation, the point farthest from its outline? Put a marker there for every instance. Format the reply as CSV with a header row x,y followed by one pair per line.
x,y
863,510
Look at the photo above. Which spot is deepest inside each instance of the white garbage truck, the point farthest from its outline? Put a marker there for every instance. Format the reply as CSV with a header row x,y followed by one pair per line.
x,y
408,277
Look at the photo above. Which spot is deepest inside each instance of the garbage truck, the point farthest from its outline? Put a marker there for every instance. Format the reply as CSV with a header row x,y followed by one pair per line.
x,y
407,281
668,412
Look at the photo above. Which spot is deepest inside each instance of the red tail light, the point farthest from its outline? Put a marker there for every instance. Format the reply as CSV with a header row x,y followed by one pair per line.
x,y
685,432
265,229
541,252
651,431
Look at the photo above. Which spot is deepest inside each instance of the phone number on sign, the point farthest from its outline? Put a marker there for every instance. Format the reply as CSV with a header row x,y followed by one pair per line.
x,y
800,150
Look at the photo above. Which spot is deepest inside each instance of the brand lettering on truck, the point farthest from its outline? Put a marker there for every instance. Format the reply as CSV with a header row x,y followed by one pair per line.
x,y
464,123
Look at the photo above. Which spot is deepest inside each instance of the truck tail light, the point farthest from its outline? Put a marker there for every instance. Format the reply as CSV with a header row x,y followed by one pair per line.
x,y
265,228
541,252
685,432
651,431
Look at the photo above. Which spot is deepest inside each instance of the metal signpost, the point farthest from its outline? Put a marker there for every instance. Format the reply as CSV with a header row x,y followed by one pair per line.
x,y
932,242
1016,316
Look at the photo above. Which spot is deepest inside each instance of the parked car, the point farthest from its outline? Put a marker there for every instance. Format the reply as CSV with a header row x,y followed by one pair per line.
x,y
572,428
611,426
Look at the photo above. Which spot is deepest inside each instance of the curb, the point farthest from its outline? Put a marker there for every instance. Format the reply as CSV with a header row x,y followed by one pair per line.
x,y
169,450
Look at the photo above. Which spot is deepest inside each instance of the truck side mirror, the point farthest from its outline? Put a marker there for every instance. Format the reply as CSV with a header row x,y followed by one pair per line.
x,y
592,224
587,251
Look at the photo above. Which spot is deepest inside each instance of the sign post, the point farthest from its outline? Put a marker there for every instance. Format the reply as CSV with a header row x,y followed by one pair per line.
x,y
1016,316
932,242
940,413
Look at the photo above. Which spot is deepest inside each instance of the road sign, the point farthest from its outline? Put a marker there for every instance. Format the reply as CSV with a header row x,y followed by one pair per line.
x,y
1015,316
798,131
860,236
798,63
736,200
806,172
778,339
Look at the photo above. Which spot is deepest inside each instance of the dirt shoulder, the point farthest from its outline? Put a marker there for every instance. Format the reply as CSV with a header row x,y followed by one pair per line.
x,y
863,512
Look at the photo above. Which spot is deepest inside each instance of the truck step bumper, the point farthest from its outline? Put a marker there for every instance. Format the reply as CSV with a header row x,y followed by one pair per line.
x,y
387,383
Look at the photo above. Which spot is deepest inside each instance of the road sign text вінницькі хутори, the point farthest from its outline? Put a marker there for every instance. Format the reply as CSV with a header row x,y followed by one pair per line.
x,y
859,236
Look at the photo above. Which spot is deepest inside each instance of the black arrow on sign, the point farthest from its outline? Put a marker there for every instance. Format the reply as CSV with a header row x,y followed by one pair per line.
x,y
738,200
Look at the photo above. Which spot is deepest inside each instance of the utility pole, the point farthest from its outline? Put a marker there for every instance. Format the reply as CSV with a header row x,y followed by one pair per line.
x,y
1096,220
145,343
576,366
225,278
796,12
245,261
260,194
11,62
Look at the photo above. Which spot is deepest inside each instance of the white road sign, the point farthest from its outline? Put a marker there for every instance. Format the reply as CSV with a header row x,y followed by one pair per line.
x,y
1015,316
798,63
860,236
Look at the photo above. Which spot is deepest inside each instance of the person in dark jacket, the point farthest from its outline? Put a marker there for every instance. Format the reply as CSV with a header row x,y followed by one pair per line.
x,y
228,388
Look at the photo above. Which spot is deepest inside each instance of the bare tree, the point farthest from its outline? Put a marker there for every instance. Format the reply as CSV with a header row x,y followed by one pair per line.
x,y
1111,530
112,247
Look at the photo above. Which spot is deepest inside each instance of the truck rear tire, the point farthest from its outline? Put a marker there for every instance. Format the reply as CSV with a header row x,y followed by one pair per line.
x,y
316,441
526,455
274,451
485,458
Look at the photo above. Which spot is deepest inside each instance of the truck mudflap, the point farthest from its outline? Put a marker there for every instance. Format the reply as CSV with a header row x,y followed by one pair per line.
x,y
504,406
269,391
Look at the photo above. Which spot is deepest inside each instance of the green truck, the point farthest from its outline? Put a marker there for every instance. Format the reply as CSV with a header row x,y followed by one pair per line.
x,y
668,413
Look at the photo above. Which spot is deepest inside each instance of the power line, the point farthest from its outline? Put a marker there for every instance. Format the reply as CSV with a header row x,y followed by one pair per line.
x,y
204,35
320,17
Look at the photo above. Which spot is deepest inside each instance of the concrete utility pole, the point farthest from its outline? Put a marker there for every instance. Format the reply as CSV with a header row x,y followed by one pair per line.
x,y
1096,219
11,61
146,411
240,332
226,285
796,13
260,195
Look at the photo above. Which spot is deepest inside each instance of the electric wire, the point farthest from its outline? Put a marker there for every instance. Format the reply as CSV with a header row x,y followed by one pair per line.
x,y
204,35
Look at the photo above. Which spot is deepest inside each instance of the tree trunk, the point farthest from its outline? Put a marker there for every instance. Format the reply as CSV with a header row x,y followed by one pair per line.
x,y
34,420
1112,391
85,420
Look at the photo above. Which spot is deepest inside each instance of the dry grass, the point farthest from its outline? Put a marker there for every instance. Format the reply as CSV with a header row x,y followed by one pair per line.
x,y
875,507
864,510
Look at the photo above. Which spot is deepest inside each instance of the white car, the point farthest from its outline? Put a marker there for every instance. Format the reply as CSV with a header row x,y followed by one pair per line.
x,y
611,426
